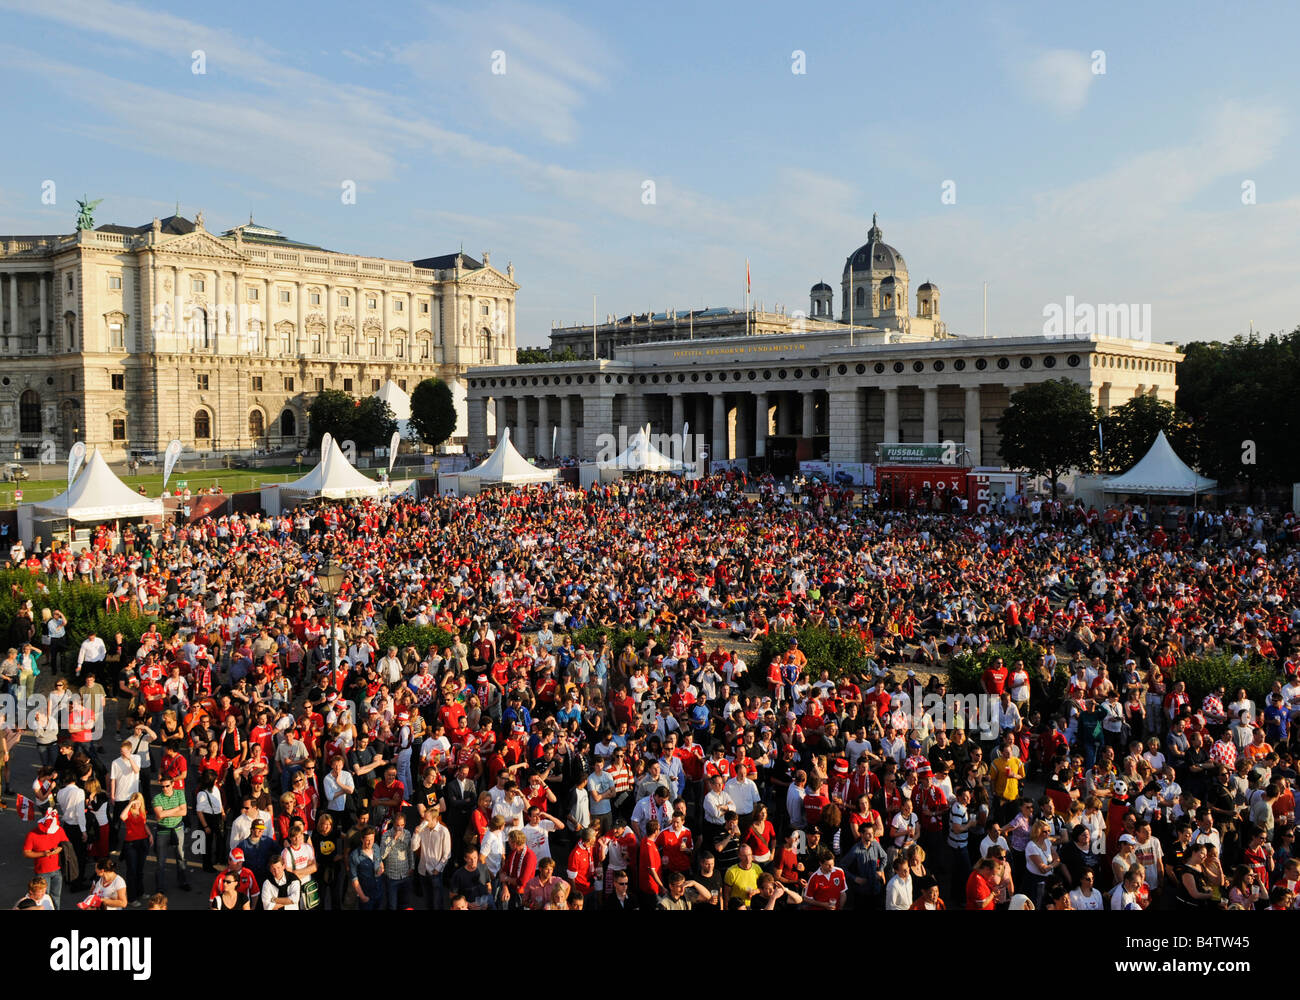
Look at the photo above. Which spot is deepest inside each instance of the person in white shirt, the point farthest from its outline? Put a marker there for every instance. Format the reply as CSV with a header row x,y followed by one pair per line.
x,y
124,777
281,891
898,893
432,847
390,667
1125,895
338,785
794,800
1086,897
92,651
743,792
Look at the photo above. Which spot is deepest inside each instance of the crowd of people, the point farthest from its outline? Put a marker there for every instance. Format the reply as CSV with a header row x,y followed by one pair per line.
x,y
529,762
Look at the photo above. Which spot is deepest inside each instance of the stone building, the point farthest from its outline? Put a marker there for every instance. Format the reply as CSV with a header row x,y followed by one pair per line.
x,y
127,336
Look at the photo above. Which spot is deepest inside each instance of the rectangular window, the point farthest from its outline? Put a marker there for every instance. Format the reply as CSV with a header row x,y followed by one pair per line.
x,y
372,303
315,343
69,282
253,294
401,384
284,297
344,301
320,385
119,429
203,382
374,347
288,383
399,305
314,298
487,309
424,349
115,282
257,383
115,336
347,385
401,348
196,284
374,385
424,309
119,381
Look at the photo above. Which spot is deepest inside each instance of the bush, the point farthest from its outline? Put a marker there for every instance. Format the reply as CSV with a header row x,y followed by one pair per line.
x,y
618,637
419,636
837,652
966,670
1203,674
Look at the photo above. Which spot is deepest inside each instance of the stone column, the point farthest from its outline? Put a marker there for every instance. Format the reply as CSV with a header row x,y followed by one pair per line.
x,y
809,413
329,320
544,427
930,414
219,328
302,312
972,428
358,336
385,337
178,311
44,346
720,435
744,431
268,328
891,415
846,424
521,425
565,441
503,418
784,414
597,416
762,424
478,424
2,310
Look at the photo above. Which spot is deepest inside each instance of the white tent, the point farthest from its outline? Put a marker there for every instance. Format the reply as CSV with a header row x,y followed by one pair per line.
x,y
400,403
1160,471
334,478
641,455
505,465
98,495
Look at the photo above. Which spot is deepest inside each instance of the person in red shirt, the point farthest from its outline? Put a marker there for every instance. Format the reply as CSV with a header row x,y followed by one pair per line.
x,y
43,846
247,880
979,887
676,845
580,866
828,887
650,867
995,678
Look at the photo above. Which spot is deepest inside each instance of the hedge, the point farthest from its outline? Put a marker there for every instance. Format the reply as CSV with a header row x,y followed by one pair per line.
x,y
419,636
836,652
81,603
1203,674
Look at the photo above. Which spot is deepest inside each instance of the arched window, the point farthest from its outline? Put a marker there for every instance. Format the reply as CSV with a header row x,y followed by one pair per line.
x,y
860,297
199,329
288,424
202,425
70,331
29,412
256,425
485,346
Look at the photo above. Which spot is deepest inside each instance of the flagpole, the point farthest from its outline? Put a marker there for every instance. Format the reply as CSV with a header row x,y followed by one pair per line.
x,y
594,353
850,302
746,296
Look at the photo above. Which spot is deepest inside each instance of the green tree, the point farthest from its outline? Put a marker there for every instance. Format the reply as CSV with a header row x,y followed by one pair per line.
x,y
1049,428
433,412
373,423
1131,429
544,355
332,412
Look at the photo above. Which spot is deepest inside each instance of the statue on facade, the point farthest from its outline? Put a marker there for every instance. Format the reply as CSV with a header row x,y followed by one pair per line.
x,y
85,214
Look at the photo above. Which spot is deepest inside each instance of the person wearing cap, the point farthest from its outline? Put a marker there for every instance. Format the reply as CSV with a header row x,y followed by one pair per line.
x,y
258,849
244,878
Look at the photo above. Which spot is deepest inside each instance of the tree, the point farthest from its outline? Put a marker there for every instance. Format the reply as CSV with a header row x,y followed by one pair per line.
x,y
543,355
1048,428
333,412
433,412
373,423
1128,431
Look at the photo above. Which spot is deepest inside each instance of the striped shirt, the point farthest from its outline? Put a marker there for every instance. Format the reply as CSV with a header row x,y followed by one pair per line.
x,y
958,815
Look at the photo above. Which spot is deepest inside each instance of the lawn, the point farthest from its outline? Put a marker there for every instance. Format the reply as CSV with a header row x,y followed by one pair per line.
x,y
198,478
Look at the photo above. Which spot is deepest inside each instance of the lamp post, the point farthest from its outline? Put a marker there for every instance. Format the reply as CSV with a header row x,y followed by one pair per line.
x,y
330,578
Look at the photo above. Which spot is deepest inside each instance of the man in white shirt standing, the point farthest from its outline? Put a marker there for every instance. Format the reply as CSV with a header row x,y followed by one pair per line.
x,y
390,667
92,651
744,793
123,782
432,845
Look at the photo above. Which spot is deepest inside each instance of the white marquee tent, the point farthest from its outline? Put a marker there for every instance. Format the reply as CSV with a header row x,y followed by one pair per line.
x,y
641,455
504,466
98,495
334,478
400,403
1160,472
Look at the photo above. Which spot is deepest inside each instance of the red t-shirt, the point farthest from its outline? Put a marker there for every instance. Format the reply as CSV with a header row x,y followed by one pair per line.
x,y
38,841
979,894
826,887
649,861
995,679
580,866
675,848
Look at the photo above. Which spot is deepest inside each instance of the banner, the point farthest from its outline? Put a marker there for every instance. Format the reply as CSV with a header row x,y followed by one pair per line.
x,y
392,450
170,457
76,455
912,454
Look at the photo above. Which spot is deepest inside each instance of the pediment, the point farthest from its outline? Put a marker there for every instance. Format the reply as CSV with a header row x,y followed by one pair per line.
x,y
199,244
489,277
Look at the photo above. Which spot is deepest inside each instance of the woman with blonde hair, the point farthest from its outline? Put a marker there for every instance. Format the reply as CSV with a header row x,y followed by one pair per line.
x,y
135,844
1041,860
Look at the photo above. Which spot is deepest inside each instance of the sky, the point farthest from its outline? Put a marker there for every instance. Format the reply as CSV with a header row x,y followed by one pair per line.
x,y
1106,152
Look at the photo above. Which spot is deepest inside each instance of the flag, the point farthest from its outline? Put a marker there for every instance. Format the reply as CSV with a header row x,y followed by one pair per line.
x,y
26,808
170,457
748,286
392,450
76,456
91,902
1101,438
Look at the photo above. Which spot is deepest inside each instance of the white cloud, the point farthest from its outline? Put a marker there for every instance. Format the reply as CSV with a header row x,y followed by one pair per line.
x,y
1059,79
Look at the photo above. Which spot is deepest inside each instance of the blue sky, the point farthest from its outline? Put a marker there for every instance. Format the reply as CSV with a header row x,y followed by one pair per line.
x,y
1122,187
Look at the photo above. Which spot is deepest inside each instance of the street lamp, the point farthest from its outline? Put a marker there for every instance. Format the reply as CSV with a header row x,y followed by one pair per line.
x,y
330,578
